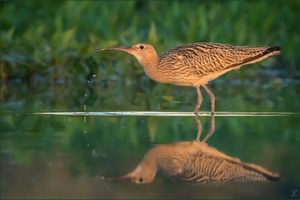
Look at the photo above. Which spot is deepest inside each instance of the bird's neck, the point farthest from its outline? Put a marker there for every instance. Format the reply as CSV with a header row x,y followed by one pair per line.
x,y
150,64
148,166
150,160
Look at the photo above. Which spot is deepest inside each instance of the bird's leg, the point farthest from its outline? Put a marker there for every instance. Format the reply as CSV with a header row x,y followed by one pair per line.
x,y
212,98
199,127
200,99
212,128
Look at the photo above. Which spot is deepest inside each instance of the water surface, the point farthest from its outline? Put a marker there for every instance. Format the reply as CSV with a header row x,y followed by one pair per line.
x,y
57,142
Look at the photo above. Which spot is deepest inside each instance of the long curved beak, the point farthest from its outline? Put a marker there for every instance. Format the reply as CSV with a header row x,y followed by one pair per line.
x,y
127,49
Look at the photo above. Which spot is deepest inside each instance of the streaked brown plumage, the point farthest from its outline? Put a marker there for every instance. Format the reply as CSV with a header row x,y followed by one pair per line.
x,y
195,162
195,64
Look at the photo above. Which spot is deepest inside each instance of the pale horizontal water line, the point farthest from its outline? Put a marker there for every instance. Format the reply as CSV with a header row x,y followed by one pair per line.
x,y
166,114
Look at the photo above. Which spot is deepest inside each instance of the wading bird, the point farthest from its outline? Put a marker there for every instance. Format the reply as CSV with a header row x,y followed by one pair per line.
x,y
195,64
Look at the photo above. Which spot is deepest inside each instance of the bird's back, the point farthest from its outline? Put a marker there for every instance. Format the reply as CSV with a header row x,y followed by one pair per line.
x,y
199,163
201,168
197,63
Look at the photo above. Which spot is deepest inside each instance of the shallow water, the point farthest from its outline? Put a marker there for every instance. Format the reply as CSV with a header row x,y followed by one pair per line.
x,y
56,142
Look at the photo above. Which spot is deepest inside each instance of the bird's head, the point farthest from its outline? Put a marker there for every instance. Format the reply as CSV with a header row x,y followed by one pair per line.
x,y
143,52
141,175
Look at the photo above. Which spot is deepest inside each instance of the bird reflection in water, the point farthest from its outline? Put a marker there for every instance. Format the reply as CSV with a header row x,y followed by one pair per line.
x,y
195,162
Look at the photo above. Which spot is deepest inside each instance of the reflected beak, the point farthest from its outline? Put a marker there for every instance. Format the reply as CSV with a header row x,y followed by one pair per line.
x,y
127,177
127,49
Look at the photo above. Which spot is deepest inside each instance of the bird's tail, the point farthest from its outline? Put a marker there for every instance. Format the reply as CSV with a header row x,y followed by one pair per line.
x,y
259,173
270,51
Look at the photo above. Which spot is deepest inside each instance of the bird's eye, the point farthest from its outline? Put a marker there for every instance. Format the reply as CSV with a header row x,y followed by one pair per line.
x,y
142,47
141,180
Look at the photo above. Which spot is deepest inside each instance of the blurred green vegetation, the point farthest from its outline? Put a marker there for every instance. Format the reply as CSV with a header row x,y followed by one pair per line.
x,y
47,46
54,39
